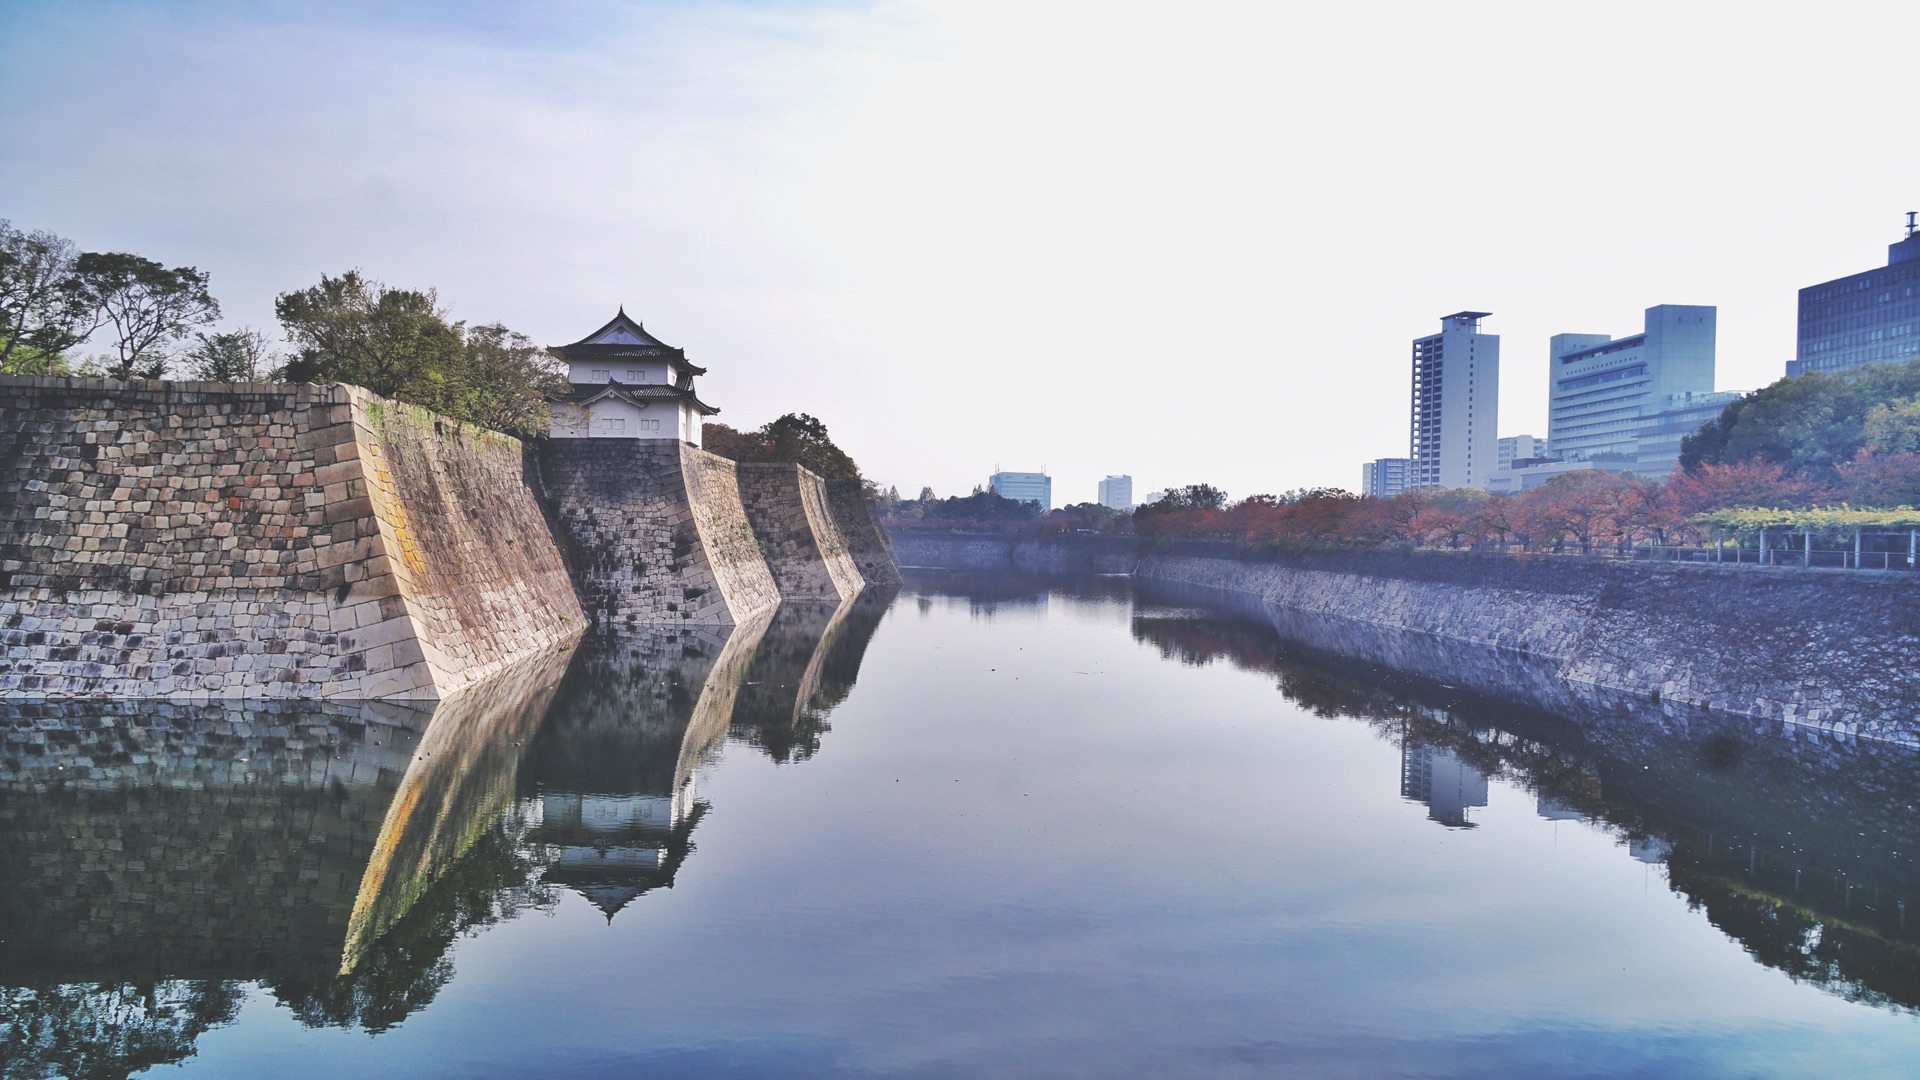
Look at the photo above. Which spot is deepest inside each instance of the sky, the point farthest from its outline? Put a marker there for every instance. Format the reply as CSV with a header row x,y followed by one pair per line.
x,y
1188,242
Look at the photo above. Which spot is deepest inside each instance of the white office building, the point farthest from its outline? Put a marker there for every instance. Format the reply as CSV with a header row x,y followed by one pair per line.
x,y
1116,492
1603,391
1033,487
1456,404
1383,478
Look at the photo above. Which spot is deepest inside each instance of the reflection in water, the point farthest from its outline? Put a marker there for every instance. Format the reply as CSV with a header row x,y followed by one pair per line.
x,y
159,859
1799,847
160,863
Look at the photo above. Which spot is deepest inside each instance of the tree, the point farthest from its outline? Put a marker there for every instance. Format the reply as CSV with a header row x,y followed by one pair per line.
x,y
1883,480
795,437
149,306
43,310
394,342
507,382
237,356
1814,422
1894,428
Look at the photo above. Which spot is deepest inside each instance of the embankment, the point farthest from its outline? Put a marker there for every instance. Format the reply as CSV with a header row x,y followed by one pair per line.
x,y
206,540
1824,650
1827,650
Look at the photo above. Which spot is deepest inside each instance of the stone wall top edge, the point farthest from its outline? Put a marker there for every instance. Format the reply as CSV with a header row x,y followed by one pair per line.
x,y
332,393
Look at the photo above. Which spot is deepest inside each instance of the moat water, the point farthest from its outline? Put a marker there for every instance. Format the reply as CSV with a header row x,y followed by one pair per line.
x,y
987,825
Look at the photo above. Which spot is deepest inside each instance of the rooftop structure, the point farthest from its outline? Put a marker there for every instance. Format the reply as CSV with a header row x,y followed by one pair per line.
x,y
628,384
1872,317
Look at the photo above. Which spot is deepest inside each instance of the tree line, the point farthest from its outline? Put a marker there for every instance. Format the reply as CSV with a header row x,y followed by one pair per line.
x,y
159,321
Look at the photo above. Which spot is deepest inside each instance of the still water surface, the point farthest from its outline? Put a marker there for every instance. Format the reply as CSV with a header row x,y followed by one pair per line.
x,y
985,826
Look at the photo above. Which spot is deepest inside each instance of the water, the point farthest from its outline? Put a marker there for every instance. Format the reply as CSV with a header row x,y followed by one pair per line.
x,y
987,826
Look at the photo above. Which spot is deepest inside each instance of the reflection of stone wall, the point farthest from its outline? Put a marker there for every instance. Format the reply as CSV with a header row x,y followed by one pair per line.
x,y
253,540
655,533
788,508
866,541
1831,651
188,841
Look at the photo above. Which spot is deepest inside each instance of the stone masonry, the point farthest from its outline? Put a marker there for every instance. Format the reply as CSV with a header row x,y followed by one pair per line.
x,y
206,540
655,533
860,527
787,506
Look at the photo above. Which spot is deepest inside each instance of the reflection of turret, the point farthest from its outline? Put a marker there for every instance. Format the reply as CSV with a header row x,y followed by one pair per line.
x,y
608,793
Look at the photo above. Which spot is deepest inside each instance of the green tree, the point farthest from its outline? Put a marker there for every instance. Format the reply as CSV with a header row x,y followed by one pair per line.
x,y
1894,428
43,310
394,342
1815,422
149,306
236,356
795,437
508,382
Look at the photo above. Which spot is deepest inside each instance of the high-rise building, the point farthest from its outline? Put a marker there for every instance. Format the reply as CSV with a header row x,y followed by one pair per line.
x,y
1872,317
1116,492
1033,487
1456,403
1602,389
1384,477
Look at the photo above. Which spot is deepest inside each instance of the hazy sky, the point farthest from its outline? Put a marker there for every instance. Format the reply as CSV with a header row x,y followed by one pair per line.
x,y
1187,241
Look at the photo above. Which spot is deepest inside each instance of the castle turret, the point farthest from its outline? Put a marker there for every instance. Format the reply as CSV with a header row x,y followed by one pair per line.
x,y
628,384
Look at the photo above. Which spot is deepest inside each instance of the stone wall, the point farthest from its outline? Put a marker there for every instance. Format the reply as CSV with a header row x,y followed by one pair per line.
x,y
1830,651
808,555
655,533
866,540
256,540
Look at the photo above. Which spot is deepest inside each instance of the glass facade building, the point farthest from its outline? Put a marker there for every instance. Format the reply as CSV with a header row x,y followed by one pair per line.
x,y
1871,317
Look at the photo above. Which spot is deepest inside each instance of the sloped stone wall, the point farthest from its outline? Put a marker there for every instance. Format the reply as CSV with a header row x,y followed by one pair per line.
x,y
1828,651
787,506
655,533
210,540
866,540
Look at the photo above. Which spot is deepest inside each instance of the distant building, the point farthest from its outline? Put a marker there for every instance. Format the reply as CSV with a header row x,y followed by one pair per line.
x,y
1456,403
1033,487
1519,448
1383,478
628,384
1603,390
1671,420
1152,497
1872,317
1116,492
1515,452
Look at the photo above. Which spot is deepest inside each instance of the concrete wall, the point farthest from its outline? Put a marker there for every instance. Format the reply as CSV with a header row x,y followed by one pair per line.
x,y
255,540
1827,651
655,533
866,540
809,557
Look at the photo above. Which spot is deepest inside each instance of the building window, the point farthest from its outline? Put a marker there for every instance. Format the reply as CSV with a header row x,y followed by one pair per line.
x,y
610,425
600,375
